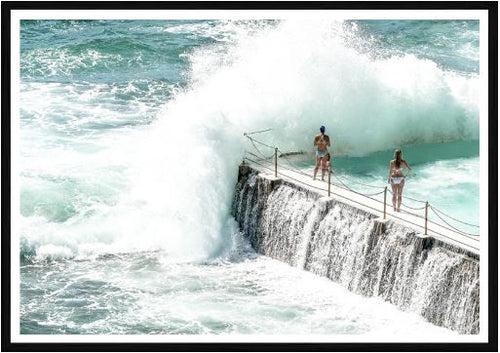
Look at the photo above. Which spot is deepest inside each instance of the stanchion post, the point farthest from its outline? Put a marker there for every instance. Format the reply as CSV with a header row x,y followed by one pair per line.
x,y
275,162
385,200
426,213
329,179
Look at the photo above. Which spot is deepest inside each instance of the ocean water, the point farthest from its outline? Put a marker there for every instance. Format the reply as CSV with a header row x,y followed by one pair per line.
x,y
131,133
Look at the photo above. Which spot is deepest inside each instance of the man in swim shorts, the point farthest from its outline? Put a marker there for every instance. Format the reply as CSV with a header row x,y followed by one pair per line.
x,y
321,142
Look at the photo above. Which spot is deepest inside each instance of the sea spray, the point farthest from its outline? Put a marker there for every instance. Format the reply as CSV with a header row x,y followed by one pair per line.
x,y
309,75
345,89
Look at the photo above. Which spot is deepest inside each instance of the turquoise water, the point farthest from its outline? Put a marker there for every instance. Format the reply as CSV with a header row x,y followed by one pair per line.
x,y
131,134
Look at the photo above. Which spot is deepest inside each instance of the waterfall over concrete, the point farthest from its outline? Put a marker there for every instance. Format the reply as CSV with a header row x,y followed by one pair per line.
x,y
338,241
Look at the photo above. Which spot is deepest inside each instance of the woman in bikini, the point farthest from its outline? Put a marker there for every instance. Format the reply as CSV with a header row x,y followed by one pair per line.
x,y
397,178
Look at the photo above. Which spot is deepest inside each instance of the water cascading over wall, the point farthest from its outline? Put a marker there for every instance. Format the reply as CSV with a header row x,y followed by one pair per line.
x,y
341,242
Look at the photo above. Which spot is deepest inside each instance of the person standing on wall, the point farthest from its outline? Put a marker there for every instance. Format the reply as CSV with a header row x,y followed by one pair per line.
x,y
397,178
321,142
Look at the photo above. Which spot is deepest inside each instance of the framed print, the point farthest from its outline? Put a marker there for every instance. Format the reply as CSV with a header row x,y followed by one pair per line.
x,y
229,176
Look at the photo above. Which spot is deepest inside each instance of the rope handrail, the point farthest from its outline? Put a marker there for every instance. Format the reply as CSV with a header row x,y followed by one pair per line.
x,y
297,180
370,185
409,198
438,233
316,187
410,213
449,225
302,173
338,185
342,183
260,152
256,132
376,193
344,186
441,212
456,220
259,158
413,208
259,142
352,190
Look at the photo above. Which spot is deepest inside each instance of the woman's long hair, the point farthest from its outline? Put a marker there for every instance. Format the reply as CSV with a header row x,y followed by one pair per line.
x,y
397,154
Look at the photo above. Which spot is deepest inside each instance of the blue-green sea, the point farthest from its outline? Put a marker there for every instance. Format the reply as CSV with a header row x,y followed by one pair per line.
x,y
131,134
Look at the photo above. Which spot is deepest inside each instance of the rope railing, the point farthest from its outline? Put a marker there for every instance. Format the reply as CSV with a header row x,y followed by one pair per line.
x,y
342,185
369,185
257,141
256,132
309,185
297,170
410,207
412,199
411,213
449,225
260,152
437,232
292,178
413,208
456,220
375,194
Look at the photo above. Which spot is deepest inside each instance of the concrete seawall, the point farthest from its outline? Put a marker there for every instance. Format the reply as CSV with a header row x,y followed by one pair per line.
x,y
330,238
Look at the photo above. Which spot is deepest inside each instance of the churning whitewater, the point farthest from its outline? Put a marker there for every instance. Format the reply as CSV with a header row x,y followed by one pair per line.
x,y
132,133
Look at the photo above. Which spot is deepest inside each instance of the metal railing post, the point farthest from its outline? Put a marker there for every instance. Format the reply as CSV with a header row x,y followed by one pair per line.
x,y
276,162
426,213
329,179
385,200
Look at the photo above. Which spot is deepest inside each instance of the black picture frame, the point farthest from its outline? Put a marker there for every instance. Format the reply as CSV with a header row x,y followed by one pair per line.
x,y
490,6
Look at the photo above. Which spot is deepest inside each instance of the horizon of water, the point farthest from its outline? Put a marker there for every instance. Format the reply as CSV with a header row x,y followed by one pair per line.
x,y
132,131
